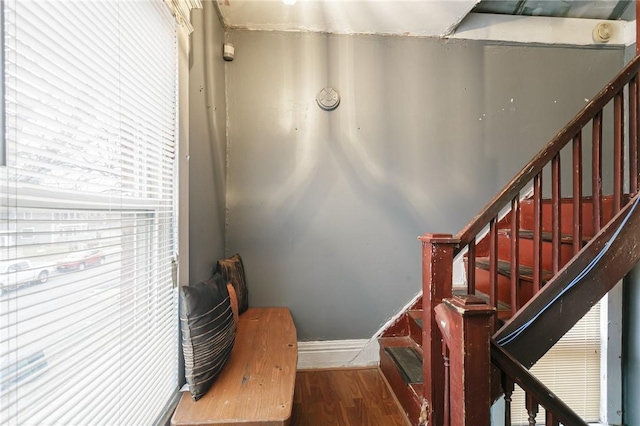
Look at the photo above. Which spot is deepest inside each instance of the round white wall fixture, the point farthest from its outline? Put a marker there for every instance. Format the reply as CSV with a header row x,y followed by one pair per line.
x,y
603,32
328,99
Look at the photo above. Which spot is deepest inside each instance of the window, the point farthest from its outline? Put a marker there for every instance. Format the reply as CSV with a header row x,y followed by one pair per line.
x,y
571,369
27,233
89,326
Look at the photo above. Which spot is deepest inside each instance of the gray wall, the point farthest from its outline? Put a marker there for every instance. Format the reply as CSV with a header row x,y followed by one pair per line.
x,y
207,143
325,207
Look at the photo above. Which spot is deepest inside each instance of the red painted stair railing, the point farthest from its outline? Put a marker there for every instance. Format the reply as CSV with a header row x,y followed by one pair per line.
x,y
465,323
557,229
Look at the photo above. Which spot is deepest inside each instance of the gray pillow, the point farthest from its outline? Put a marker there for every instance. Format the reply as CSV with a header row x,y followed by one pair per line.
x,y
208,332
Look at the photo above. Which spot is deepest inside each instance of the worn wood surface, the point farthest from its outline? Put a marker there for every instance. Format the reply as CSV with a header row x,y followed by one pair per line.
x,y
349,397
398,328
520,245
465,323
257,384
504,268
633,135
406,394
577,193
514,247
564,311
618,150
437,268
556,215
415,324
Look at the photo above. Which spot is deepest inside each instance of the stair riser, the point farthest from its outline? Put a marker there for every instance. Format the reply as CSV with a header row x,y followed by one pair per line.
x,y
415,331
398,329
417,305
525,252
566,215
504,287
405,394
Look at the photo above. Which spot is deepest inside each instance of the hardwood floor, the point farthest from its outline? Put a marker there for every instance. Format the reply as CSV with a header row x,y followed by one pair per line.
x,y
354,397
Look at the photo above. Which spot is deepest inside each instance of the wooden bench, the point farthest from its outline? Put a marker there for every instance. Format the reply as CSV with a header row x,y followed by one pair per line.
x,y
256,385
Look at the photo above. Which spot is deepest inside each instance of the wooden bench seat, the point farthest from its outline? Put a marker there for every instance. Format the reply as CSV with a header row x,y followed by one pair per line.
x,y
256,385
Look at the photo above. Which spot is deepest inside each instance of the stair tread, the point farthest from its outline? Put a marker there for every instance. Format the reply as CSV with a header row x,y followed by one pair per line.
x,y
504,268
409,395
408,361
546,236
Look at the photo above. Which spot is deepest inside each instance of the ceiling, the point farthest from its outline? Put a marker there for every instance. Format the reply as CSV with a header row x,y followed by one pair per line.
x,y
427,18
401,17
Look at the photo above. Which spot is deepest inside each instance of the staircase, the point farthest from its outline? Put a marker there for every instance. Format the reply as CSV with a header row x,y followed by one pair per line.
x,y
537,258
401,360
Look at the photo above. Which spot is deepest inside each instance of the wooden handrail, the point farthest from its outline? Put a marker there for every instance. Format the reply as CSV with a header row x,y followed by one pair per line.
x,y
533,387
560,140
501,275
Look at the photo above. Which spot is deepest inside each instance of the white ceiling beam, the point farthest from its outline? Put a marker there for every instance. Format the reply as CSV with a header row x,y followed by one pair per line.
x,y
541,30
418,18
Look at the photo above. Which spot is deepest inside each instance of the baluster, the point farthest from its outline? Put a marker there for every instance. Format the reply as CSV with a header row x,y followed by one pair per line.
x,y
515,254
507,387
471,267
493,268
551,420
633,135
596,158
556,213
537,232
447,378
532,409
577,193
618,152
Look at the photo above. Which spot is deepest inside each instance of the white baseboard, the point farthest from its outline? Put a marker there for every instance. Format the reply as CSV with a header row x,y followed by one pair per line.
x,y
335,354
346,353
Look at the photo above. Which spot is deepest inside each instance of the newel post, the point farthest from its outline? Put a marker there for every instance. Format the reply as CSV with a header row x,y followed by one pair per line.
x,y
465,322
437,269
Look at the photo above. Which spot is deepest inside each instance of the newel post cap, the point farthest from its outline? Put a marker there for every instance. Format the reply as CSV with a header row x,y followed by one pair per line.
x,y
469,305
439,239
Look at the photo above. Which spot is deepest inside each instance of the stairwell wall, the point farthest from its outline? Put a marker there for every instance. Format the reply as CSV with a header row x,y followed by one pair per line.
x,y
325,206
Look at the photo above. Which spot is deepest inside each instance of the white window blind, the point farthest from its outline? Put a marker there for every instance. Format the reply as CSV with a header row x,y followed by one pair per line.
x,y
571,369
88,311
